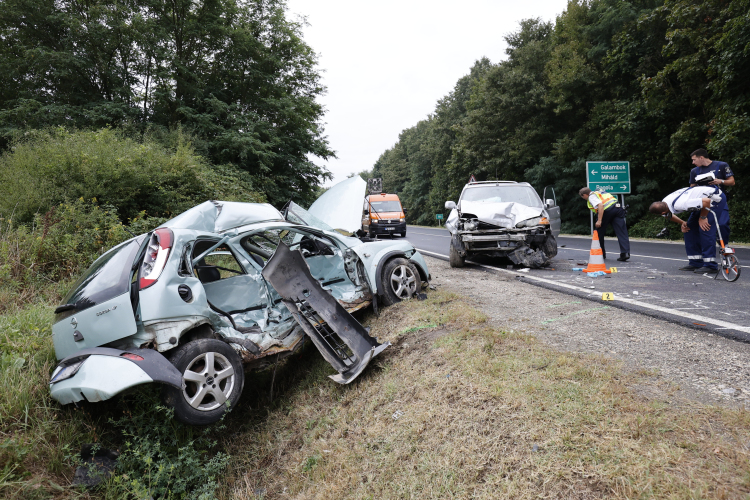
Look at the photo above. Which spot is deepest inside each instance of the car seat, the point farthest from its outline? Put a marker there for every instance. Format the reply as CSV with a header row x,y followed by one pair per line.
x,y
207,273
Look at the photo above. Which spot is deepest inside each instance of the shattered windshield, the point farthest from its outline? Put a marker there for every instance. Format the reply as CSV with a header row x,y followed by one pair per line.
x,y
298,215
525,195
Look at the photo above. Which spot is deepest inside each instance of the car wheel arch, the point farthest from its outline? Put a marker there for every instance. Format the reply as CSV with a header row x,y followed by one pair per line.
x,y
198,331
395,254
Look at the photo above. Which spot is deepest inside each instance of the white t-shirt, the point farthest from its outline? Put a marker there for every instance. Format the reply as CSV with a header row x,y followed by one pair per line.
x,y
690,199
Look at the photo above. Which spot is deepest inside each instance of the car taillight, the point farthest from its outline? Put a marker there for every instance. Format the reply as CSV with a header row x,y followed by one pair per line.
x,y
156,256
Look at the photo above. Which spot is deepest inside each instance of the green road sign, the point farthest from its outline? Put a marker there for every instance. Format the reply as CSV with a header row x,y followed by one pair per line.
x,y
439,216
610,176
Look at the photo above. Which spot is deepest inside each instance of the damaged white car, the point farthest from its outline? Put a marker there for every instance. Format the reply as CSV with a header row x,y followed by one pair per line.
x,y
222,285
503,219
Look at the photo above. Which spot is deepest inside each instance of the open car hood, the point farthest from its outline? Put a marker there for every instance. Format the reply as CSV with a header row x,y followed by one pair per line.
x,y
341,206
505,215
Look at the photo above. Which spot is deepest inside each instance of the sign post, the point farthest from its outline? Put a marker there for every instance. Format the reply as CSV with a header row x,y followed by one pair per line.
x,y
610,176
439,218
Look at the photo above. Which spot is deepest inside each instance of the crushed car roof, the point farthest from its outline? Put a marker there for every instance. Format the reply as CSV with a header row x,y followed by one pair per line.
x,y
217,216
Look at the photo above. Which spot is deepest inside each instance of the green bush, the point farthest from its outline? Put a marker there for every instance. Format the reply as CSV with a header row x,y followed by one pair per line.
x,y
650,225
161,457
37,433
40,440
739,221
38,260
45,168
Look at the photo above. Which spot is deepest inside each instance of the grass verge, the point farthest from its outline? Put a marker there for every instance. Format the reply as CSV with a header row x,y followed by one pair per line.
x,y
453,409
40,440
456,409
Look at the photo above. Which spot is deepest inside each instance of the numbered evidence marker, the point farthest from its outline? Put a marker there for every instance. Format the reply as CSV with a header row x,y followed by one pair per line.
x,y
608,296
613,269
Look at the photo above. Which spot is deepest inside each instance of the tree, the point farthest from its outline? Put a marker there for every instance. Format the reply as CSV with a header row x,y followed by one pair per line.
x,y
234,74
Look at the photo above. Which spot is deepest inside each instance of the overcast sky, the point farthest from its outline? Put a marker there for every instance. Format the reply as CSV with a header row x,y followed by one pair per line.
x,y
386,62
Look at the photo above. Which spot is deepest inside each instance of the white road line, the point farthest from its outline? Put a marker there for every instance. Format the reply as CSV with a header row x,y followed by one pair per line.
x,y
430,234
566,248
726,325
631,255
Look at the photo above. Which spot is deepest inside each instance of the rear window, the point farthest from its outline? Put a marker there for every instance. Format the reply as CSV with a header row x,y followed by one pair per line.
x,y
386,206
107,278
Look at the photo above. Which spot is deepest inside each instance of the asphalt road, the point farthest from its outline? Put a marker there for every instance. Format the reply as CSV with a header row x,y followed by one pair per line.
x,y
649,282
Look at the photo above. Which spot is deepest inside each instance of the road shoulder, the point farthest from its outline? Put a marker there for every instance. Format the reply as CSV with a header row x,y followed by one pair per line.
x,y
686,364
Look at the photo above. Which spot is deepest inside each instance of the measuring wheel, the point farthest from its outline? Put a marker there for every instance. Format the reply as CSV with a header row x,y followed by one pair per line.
x,y
730,267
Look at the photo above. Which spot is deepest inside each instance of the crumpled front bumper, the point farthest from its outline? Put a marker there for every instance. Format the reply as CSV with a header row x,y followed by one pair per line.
x,y
105,373
492,242
532,247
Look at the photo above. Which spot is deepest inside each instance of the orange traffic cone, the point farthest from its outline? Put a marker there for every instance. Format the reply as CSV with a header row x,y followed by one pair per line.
x,y
596,261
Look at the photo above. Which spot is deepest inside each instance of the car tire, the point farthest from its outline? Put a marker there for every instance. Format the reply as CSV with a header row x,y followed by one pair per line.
x,y
403,235
455,258
400,280
212,374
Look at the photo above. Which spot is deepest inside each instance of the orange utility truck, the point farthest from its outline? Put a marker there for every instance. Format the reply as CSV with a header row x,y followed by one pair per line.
x,y
383,214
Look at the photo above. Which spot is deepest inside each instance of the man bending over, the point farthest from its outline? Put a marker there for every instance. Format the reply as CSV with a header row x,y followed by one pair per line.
x,y
699,230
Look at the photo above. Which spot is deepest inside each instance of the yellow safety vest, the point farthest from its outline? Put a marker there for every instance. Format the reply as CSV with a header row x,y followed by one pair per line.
x,y
605,198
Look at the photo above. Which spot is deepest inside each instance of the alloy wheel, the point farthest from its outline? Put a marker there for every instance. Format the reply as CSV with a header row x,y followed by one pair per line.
x,y
403,282
208,381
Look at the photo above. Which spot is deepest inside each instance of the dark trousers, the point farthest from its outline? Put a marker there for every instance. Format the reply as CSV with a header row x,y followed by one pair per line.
x,y
701,245
615,216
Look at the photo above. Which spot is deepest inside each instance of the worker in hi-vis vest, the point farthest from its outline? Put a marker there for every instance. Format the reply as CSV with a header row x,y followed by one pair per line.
x,y
608,211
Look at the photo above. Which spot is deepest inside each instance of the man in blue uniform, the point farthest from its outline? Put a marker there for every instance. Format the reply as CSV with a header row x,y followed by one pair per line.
x,y
724,177
699,229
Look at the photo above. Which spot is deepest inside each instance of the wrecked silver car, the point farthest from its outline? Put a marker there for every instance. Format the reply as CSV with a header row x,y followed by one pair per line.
x,y
503,219
222,285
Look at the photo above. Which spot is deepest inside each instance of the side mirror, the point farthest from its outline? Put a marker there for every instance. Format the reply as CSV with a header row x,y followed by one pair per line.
x,y
549,203
404,210
449,205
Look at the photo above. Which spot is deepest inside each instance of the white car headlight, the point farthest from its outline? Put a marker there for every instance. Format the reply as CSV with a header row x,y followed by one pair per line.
x,y
402,219
530,222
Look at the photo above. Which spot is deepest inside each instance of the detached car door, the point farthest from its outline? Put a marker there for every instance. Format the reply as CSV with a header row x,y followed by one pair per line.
x,y
99,309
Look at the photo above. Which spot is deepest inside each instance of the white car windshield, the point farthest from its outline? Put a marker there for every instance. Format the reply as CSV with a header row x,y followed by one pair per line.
x,y
525,195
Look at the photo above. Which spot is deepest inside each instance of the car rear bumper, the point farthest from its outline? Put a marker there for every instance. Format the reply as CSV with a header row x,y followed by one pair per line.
x,y
104,372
